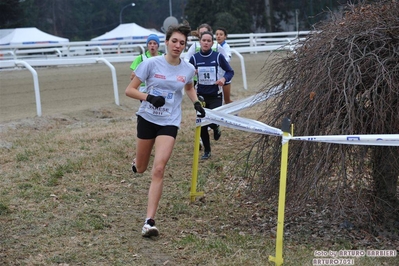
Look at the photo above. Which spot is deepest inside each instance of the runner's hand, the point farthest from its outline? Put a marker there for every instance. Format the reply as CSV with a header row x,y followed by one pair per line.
x,y
157,101
198,107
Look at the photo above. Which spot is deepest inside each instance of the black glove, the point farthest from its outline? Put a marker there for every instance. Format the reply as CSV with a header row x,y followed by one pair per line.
x,y
198,107
157,101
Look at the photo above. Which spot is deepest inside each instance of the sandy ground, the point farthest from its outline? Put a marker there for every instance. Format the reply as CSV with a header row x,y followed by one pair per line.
x,y
69,89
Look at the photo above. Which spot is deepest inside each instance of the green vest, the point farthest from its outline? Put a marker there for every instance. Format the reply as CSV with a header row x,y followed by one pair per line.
x,y
140,59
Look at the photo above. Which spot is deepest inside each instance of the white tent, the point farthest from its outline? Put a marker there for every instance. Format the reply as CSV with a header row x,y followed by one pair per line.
x,y
4,32
128,32
22,36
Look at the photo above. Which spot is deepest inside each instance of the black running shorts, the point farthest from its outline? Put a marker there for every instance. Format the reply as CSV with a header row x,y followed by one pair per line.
x,y
148,130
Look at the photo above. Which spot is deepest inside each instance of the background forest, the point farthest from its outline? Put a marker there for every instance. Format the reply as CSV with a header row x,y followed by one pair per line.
x,y
81,20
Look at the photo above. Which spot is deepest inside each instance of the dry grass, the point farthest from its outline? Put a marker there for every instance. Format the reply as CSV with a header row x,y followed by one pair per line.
x,y
67,197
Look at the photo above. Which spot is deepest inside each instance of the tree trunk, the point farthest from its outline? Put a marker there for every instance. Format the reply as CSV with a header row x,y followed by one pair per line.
x,y
269,18
385,175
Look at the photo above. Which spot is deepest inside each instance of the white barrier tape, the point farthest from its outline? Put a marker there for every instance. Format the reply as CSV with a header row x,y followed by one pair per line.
x,y
237,106
376,140
237,122
222,116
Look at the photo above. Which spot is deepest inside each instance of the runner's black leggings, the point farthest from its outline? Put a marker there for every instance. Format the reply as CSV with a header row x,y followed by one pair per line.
x,y
211,102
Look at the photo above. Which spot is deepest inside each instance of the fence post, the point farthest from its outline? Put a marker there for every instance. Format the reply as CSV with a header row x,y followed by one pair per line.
x,y
114,78
278,259
243,71
252,41
35,85
194,174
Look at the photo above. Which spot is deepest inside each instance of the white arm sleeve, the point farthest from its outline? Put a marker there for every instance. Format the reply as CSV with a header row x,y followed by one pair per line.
x,y
224,53
190,52
227,48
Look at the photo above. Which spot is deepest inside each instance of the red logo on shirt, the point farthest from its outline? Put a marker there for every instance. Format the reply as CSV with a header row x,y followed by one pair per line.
x,y
181,79
159,76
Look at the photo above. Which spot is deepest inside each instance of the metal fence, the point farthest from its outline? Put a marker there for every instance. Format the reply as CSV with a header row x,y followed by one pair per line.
x,y
82,53
242,43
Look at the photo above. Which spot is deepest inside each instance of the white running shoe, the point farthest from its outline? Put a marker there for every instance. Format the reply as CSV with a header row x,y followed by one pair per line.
x,y
134,168
149,229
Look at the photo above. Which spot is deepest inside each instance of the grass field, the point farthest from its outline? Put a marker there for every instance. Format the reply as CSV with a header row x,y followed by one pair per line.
x,y
68,197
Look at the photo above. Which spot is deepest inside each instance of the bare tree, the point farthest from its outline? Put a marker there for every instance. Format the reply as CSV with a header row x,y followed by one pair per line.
x,y
343,79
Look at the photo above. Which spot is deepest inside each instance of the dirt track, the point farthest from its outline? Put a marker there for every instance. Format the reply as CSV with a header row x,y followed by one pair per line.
x,y
75,88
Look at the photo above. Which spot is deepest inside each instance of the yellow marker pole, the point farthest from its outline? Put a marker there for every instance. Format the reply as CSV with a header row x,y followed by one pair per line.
x,y
194,174
278,260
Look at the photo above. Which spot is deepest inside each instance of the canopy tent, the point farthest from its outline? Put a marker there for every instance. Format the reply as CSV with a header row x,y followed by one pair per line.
x,y
4,32
128,32
154,31
22,36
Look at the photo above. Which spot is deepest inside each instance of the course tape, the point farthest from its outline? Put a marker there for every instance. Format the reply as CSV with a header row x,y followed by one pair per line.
x,y
224,116
375,139
237,106
236,122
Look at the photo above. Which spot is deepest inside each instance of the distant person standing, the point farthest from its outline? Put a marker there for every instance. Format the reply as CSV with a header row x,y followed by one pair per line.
x,y
160,114
221,36
207,64
152,50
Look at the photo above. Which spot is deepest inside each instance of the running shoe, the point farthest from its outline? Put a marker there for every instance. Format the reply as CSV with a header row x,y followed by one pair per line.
x,y
217,133
206,156
134,168
149,229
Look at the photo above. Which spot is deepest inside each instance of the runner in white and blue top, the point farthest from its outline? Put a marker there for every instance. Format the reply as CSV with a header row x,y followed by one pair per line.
x,y
221,36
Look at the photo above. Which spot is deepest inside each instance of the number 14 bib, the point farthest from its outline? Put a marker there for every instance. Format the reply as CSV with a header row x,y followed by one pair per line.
x,y
207,75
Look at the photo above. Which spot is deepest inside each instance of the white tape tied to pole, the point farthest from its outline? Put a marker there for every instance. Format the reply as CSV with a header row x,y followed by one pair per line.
x,y
376,140
237,122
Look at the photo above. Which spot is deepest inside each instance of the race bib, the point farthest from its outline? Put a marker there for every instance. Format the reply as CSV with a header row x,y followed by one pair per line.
x,y
207,75
166,109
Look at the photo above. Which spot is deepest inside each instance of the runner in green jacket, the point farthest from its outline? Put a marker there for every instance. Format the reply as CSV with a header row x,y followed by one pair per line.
x,y
152,50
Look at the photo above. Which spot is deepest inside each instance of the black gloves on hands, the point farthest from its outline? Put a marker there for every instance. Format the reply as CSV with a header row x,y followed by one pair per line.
x,y
198,107
157,101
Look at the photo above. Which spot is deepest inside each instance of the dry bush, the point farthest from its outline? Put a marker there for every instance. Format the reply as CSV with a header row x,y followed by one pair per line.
x,y
342,79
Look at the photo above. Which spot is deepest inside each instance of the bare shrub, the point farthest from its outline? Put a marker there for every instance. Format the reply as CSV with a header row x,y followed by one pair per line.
x,y
342,79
